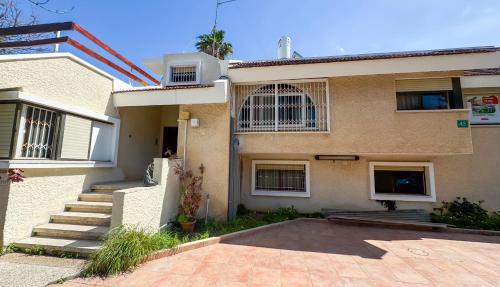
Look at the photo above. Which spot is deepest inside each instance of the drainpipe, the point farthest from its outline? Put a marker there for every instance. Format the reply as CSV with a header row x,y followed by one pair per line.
x,y
233,154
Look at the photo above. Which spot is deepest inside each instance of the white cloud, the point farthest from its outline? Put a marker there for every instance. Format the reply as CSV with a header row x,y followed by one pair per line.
x,y
340,49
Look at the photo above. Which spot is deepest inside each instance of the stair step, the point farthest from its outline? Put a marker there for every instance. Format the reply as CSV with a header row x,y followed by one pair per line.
x,y
414,215
83,206
81,218
96,197
112,186
73,231
82,247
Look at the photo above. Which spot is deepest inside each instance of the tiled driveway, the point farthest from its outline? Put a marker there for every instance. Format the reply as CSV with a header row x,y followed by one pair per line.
x,y
318,253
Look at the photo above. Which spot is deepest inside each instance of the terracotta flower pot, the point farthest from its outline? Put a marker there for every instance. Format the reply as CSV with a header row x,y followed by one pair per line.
x,y
188,226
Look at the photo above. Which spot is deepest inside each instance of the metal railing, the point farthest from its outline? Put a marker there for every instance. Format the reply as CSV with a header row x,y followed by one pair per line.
x,y
282,107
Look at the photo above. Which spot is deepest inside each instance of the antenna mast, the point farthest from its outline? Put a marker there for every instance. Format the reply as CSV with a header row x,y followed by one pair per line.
x,y
218,3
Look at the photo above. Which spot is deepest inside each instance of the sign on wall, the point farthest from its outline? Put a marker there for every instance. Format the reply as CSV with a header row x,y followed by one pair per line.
x,y
485,109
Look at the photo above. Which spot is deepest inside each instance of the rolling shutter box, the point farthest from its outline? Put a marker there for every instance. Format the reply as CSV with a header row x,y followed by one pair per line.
x,y
75,138
7,118
424,85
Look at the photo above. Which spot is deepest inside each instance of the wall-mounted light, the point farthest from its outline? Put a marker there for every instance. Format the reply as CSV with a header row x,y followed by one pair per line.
x,y
336,157
195,123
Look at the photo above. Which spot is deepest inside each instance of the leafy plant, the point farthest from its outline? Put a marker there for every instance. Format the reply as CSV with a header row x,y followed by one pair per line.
x,y
190,187
182,218
465,214
282,214
125,248
35,250
15,175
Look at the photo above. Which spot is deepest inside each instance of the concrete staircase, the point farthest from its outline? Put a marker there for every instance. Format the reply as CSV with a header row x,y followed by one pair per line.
x,y
410,215
80,228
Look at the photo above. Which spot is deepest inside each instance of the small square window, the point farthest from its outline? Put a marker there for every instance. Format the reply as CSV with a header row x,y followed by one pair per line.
x,y
183,74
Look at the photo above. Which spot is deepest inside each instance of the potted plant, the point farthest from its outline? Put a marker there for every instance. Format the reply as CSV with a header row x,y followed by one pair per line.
x,y
190,189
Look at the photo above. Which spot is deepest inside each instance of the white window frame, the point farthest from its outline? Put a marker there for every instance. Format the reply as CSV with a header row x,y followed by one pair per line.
x,y
307,193
182,64
430,182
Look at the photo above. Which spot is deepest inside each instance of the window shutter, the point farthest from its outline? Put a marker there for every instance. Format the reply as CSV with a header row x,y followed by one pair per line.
x,y
75,138
7,118
423,85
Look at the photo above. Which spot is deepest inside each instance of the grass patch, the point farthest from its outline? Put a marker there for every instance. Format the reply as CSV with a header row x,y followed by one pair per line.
x,y
126,247
465,214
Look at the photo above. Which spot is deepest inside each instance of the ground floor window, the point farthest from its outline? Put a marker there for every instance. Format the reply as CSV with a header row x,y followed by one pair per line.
x,y
406,181
280,178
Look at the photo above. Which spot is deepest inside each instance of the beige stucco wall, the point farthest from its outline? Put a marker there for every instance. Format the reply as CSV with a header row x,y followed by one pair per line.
x,y
60,79
364,120
345,185
140,140
209,145
66,81
44,192
149,207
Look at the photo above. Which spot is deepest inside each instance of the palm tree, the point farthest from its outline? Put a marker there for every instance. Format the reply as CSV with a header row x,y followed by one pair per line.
x,y
213,44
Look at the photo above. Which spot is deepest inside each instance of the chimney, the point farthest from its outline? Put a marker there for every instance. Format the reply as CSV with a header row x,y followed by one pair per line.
x,y
284,48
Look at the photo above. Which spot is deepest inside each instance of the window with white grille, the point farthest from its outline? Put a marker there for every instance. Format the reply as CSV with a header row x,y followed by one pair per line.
x,y
280,178
282,107
183,74
40,130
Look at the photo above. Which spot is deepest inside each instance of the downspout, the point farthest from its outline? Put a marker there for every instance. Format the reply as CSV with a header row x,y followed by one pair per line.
x,y
233,154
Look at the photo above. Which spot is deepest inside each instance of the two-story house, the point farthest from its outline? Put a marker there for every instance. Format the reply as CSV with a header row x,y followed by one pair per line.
x,y
341,132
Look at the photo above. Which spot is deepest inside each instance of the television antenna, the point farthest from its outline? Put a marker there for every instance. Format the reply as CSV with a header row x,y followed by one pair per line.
x,y
218,4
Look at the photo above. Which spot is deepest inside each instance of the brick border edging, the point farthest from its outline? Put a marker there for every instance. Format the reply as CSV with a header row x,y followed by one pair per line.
x,y
218,239
473,231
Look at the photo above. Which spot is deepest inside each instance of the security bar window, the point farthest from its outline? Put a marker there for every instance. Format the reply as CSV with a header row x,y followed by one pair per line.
x,y
40,130
183,74
282,107
280,178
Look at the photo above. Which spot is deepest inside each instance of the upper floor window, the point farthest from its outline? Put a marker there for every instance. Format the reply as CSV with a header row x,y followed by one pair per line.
x,y
183,74
285,107
428,94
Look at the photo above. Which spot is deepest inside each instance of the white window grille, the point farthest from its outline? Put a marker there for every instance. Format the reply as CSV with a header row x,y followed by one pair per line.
x,y
183,74
282,107
280,178
39,133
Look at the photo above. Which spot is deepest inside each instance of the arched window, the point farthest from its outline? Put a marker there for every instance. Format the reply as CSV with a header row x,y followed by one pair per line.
x,y
278,107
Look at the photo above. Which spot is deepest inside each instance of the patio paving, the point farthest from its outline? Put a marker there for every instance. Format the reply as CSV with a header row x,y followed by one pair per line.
x,y
319,253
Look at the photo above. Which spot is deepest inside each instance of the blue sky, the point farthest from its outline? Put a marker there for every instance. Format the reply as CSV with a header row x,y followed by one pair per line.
x,y
149,28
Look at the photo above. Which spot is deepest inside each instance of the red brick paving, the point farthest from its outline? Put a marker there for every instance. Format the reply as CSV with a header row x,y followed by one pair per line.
x,y
319,253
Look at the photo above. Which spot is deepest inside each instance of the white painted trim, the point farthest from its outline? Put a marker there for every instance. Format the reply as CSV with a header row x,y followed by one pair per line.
x,y
27,163
73,109
279,193
367,67
433,111
421,198
485,81
218,94
171,64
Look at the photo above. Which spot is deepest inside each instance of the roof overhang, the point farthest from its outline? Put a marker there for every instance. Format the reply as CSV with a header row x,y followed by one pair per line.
x,y
367,67
217,93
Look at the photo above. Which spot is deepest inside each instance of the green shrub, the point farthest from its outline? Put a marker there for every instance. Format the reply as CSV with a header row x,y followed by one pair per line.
x,y
126,247
282,214
465,214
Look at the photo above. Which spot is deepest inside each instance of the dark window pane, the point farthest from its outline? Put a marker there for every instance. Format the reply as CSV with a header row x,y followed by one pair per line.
x,y
422,100
400,182
434,102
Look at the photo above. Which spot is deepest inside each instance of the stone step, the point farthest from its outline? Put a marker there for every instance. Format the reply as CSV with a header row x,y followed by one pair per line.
x,y
81,218
415,215
81,247
94,207
71,231
386,223
112,186
96,197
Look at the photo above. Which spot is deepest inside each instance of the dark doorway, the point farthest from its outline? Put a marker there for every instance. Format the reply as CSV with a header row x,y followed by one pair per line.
x,y
169,141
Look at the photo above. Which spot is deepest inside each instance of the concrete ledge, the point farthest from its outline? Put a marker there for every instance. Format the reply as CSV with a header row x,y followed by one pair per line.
x,y
384,223
473,231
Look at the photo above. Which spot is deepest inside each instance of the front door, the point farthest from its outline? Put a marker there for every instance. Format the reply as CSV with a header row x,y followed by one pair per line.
x,y
169,141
